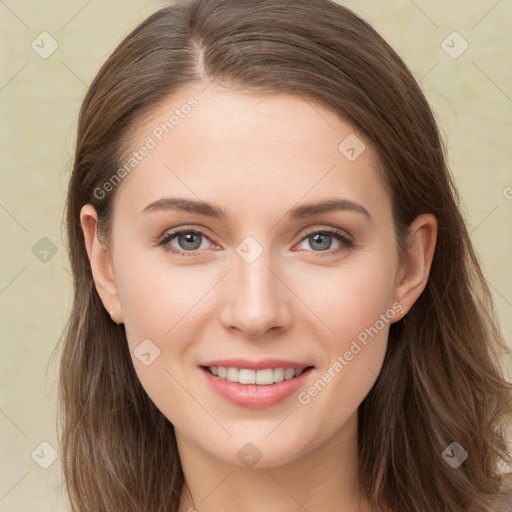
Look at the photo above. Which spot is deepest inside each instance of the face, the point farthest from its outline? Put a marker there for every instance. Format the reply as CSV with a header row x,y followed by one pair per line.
x,y
259,277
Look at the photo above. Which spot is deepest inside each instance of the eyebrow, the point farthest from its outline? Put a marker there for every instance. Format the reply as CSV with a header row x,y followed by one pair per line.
x,y
298,212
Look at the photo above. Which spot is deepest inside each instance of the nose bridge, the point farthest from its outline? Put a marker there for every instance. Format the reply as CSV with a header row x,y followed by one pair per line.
x,y
257,299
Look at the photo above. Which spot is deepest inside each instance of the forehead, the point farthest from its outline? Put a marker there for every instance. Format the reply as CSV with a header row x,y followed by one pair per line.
x,y
247,153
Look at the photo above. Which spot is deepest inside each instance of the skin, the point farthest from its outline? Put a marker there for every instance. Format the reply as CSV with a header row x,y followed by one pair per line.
x,y
256,158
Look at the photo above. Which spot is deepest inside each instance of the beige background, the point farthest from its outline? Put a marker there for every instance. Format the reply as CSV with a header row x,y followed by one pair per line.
x,y
39,100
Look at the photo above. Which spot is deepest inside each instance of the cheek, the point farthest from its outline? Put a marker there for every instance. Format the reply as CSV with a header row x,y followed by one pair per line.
x,y
157,303
351,298
357,309
354,304
156,297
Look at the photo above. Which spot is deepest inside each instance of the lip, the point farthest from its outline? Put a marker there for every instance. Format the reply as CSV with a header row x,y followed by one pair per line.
x,y
256,396
256,365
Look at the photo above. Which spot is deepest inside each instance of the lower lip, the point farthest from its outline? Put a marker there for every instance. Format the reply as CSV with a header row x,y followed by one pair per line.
x,y
255,396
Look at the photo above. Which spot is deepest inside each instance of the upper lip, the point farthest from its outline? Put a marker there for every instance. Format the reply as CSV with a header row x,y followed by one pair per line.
x,y
256,365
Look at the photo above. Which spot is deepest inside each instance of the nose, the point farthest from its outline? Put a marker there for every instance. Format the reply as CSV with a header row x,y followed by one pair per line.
x,y
257,298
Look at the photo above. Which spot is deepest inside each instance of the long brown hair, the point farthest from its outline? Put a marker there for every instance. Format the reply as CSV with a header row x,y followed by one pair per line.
x,y
441,381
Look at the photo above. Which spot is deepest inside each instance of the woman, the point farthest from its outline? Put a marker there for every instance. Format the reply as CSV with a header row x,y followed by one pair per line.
x,y
277,304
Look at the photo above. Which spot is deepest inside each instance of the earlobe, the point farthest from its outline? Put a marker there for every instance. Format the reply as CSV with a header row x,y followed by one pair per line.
x,y
414,273
101,266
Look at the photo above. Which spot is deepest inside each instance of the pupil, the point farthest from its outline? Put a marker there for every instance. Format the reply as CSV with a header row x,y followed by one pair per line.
x,y
319,238
191,238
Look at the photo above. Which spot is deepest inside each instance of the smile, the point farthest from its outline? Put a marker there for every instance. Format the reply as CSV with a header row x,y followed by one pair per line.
x,y
255,388
261,377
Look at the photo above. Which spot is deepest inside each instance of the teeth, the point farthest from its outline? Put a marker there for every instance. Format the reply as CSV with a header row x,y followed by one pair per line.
x,y
232,375
289,373
248,376
243,376
278,374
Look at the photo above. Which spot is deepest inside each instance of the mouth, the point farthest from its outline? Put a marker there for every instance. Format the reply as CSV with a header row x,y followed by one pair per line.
x,y
253,388
263,377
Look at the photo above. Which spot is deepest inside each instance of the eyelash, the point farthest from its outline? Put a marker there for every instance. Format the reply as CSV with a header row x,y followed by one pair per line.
x,y
347,243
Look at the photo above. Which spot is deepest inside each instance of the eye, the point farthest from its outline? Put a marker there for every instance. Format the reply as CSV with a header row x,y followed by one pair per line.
x,y
322,239
188,241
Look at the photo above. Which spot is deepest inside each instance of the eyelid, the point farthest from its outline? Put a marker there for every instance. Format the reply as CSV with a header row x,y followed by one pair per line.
x,y
318,228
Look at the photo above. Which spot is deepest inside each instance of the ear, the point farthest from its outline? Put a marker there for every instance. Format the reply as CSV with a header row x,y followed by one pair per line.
x,y
413,275
101,265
